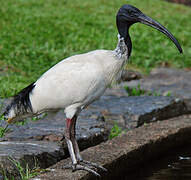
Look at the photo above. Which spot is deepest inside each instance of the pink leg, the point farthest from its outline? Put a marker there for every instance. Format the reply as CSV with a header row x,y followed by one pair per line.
x,y
74,151
68,136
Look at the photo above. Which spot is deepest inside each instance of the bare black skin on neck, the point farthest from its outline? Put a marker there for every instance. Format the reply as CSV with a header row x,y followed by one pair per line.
x,y
123,29
123,24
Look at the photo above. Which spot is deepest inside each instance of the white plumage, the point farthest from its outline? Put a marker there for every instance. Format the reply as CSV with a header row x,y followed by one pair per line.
x,y
75,82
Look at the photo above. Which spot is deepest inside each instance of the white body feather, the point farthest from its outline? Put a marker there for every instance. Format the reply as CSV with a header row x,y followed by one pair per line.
x,y
75,82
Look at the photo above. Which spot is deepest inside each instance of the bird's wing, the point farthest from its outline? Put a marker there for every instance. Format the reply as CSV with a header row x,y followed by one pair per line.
x,y
78,79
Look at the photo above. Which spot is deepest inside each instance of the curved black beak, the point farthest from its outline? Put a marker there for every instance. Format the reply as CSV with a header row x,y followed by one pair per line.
x,y
150,22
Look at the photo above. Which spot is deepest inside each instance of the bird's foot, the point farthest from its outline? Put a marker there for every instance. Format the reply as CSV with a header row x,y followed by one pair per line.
x,y
88,163
76,167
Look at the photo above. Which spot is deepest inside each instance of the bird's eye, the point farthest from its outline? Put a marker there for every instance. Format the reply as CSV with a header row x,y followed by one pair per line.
x,y
129,12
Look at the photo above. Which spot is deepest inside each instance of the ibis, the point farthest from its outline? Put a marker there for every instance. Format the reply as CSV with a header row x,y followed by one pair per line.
x,y
79,80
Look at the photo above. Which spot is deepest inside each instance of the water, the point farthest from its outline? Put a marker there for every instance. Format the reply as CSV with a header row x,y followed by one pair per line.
x,y
175,166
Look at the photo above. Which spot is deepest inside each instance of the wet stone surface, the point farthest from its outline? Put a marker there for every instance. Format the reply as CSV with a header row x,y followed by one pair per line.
x,y
131,112
166,80
33,153
51,128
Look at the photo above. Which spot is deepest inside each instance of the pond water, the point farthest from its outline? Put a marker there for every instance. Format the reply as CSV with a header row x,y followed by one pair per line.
x,y
175,166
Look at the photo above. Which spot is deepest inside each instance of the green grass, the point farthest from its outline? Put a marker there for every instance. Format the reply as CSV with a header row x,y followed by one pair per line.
x,y
135,91
115,131
138,91
25,173
3,131
35,35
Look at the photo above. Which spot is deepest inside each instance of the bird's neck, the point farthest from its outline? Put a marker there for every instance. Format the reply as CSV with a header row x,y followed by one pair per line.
x,y
129,45
121,50
123,30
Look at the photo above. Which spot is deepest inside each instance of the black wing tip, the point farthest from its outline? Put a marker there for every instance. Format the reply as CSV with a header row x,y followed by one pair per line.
x,y
21,101
22,97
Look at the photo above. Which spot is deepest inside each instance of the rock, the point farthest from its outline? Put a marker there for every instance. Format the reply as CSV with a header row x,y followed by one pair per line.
x,y
89,131
129,152
166,80
131,112
37,140
129,75
28,153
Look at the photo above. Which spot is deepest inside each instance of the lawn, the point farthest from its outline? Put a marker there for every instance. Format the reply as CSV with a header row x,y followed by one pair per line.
x,y
35,35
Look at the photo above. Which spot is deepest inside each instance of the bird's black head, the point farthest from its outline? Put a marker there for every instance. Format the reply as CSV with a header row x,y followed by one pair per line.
x,y
128,15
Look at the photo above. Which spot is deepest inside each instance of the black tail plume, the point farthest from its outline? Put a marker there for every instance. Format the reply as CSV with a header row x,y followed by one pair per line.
x,y
21,101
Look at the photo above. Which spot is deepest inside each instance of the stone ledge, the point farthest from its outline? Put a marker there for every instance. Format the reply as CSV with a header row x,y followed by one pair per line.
x,y
28,153
131,112
165,80
125,153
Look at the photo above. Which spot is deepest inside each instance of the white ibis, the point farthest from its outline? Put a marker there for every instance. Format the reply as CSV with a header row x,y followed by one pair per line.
x,y
77,81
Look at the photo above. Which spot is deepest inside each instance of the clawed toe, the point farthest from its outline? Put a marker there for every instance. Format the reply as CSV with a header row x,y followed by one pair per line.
x,y
76,167
94,165
81,167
